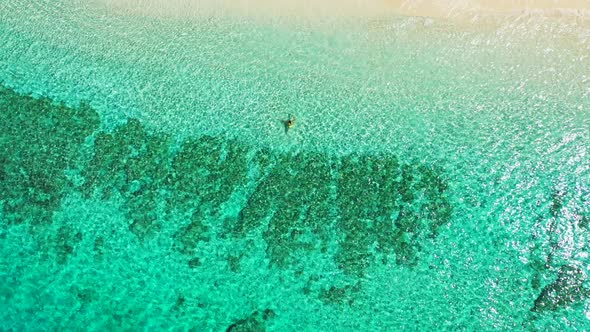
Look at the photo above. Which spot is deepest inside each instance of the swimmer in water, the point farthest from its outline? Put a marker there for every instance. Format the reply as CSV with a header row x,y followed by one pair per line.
x,y
289,123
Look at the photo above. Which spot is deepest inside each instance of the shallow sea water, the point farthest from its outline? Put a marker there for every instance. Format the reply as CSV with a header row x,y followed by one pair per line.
x,y
437,177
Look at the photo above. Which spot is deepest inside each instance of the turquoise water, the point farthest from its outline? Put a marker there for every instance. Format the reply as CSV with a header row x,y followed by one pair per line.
x,y
437,177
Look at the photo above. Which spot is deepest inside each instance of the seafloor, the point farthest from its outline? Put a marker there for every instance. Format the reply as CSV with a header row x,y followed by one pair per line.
x,y
149,183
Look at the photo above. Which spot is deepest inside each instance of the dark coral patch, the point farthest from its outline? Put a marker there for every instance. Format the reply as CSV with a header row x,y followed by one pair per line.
x,y
194,262
233,262
339,295
389,206
295,197
83,295
98,248
65,243
202,176
370,201
254,323
39,140
569,287
190,236
205,172
567,290
134,164
154,181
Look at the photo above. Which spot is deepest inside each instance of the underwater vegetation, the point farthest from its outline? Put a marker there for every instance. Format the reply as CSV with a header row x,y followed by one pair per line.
x,y
567,279
566,290
378,209
39,142
299,202
253,323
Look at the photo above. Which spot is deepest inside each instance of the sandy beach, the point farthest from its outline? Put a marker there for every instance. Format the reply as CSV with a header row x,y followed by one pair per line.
x,y
460,9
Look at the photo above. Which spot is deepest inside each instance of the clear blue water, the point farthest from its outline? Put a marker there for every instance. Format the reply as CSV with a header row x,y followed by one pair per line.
x,y
437,176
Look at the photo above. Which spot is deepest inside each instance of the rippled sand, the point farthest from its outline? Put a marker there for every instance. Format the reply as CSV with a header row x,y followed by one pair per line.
x,y
331,8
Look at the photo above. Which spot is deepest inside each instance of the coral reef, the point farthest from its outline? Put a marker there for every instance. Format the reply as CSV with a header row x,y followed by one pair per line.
x,y
39,141
369,200
294,197
253,323
372,206
565,291
566,211
134,164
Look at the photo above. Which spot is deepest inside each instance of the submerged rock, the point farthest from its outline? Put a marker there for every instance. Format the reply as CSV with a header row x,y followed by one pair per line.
x,y
339,295
189,237
568,289
254,323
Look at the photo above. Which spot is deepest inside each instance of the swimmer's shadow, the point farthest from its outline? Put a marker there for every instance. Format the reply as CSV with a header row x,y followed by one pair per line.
x,y
286,126
288,123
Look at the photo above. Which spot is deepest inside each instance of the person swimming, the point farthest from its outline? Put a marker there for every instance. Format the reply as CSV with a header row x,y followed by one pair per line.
x,y
291,121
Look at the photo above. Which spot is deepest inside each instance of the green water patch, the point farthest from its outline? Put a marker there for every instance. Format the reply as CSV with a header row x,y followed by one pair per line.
x,y
356,212
39,142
